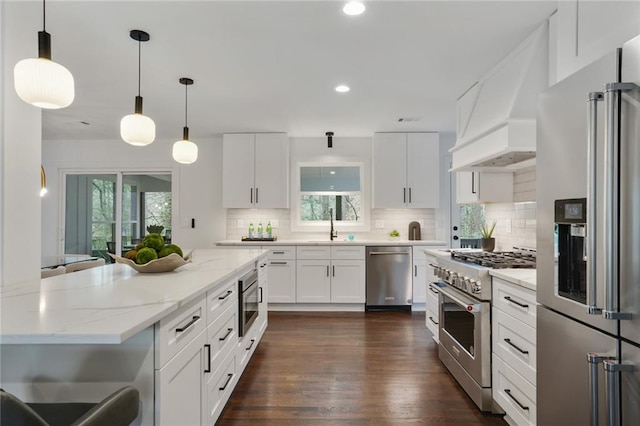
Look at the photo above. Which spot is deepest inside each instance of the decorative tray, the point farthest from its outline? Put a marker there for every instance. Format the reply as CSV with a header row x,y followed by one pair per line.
x,y
259,239
164,264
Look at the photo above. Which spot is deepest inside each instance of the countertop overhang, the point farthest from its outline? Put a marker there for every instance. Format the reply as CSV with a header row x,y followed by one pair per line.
x,y
109,304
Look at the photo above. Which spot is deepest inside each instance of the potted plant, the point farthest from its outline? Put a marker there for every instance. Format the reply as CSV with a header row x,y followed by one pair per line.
x,y
394,235
488,242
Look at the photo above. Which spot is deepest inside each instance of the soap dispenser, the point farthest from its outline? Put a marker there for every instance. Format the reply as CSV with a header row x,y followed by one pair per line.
x,y
269,230
250,230
260,230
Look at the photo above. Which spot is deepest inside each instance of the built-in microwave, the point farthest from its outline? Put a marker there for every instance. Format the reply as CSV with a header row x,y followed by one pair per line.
x,y
248,301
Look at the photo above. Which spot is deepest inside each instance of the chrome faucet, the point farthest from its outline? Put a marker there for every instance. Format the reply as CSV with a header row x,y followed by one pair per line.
x,y
332,233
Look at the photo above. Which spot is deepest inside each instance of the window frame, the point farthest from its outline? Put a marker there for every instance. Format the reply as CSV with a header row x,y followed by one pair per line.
x,y
298,225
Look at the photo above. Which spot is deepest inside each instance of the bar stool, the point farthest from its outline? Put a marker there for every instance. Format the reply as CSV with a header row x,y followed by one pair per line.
x,y
118,409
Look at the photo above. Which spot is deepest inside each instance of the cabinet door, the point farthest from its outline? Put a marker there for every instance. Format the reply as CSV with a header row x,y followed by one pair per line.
x,y
347,281
282,281
313,283
390,170
420,271
423,170
272,170
180,386
238,170
467,187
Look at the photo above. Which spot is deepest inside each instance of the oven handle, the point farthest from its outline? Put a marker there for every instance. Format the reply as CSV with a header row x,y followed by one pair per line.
x,y
460,299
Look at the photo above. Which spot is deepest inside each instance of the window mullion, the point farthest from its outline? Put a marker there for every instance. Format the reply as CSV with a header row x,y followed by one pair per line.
x,y
118,203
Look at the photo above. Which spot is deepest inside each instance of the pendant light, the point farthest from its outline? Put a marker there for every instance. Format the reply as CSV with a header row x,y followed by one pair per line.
x,y
185,151
138,129
40,81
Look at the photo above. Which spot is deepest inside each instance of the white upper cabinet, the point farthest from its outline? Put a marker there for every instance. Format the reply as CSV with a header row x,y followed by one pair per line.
x,y
406,170
484,187
255,170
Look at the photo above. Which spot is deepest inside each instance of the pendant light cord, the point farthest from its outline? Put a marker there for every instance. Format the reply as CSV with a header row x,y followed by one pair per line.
x,y
44,16
139,66
186,105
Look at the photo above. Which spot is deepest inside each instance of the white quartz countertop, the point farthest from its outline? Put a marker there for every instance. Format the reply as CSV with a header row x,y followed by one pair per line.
x,y
334,242
110,304
523,277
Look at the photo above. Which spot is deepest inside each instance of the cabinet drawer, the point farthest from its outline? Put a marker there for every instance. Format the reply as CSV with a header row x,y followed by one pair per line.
x,y
347,252
513,393
432,299
219,388
313,252
222,335
517,301
281,252
220,298
246,347
176,330
515,343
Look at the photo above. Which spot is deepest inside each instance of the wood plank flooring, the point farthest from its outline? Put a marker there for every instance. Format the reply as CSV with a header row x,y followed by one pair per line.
x,y
349,368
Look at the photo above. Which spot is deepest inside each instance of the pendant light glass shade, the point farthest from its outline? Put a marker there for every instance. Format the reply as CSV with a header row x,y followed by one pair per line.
x,y
137,129
40,81
43,182
185,151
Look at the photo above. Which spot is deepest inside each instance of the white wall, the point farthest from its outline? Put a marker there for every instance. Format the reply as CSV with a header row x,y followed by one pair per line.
x,y
197,187
20,172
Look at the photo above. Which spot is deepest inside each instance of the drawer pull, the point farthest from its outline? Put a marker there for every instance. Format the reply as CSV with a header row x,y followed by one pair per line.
x,y
509,299
278,263
229,293
433,290
261,299
229,331
433,321
229,376
277,252
508,341
208,369
187,325
251,345
508,392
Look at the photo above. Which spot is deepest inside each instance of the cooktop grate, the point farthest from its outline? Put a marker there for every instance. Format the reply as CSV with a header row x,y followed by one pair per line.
x,y
498,260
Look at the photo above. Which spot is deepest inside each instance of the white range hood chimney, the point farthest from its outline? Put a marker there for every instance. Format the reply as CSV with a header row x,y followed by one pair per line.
x,y
496,116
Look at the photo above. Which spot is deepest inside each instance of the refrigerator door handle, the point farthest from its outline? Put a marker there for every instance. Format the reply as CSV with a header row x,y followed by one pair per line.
x,y
594,361
612,94
592,301
612,371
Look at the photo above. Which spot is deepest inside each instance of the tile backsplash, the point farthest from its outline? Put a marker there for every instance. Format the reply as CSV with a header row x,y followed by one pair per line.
x,y
389,219
516,224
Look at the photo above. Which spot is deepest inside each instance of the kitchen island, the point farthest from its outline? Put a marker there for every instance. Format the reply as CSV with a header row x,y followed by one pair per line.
x,y
82,335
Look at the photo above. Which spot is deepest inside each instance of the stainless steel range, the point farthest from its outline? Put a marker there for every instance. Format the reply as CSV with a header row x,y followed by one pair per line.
x,y
464,328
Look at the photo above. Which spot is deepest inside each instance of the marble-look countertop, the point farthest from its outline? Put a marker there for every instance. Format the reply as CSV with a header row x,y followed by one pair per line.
x,y
333,243
111,303
523,277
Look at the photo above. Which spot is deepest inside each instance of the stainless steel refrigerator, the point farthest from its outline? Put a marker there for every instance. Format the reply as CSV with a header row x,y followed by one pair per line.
x,y
588,241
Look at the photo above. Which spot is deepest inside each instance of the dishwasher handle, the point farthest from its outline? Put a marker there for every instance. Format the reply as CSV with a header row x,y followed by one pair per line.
x,y
374,253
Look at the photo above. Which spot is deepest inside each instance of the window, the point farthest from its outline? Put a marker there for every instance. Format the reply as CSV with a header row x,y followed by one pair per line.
x,y
92,203
329,190
471,219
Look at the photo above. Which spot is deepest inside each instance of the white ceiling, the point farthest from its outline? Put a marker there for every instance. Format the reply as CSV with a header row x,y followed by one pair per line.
x,y
268,66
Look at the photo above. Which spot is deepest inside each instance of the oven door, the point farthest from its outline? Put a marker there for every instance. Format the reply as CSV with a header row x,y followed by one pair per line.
x,y
465,332
248,303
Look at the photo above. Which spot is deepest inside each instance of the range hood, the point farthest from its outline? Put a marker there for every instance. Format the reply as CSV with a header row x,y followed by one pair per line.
x,y
496,124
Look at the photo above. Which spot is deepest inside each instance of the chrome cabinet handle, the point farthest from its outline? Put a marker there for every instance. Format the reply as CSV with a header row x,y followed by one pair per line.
x,y
208,369
612,371
229,331
594,360
509,299
229,376
522,351
229,293
592,202
508,392
187,325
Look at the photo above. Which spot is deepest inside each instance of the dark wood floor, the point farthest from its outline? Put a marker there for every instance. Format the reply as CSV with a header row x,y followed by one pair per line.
x,y
338,368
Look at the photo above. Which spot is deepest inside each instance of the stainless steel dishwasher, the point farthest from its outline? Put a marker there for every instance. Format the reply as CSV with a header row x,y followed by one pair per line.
x,y
389,282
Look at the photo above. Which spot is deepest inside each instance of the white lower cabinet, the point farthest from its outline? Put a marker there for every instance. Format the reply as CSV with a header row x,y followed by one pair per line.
x,y
198,365
422,274
180,384
514,351
282,274
432,311
330,274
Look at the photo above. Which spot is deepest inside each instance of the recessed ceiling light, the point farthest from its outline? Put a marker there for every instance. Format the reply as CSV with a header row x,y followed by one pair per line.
x,y
342,89
353,8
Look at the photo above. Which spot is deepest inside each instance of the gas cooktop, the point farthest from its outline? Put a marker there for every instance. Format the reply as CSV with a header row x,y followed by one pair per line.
x,y
497,260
